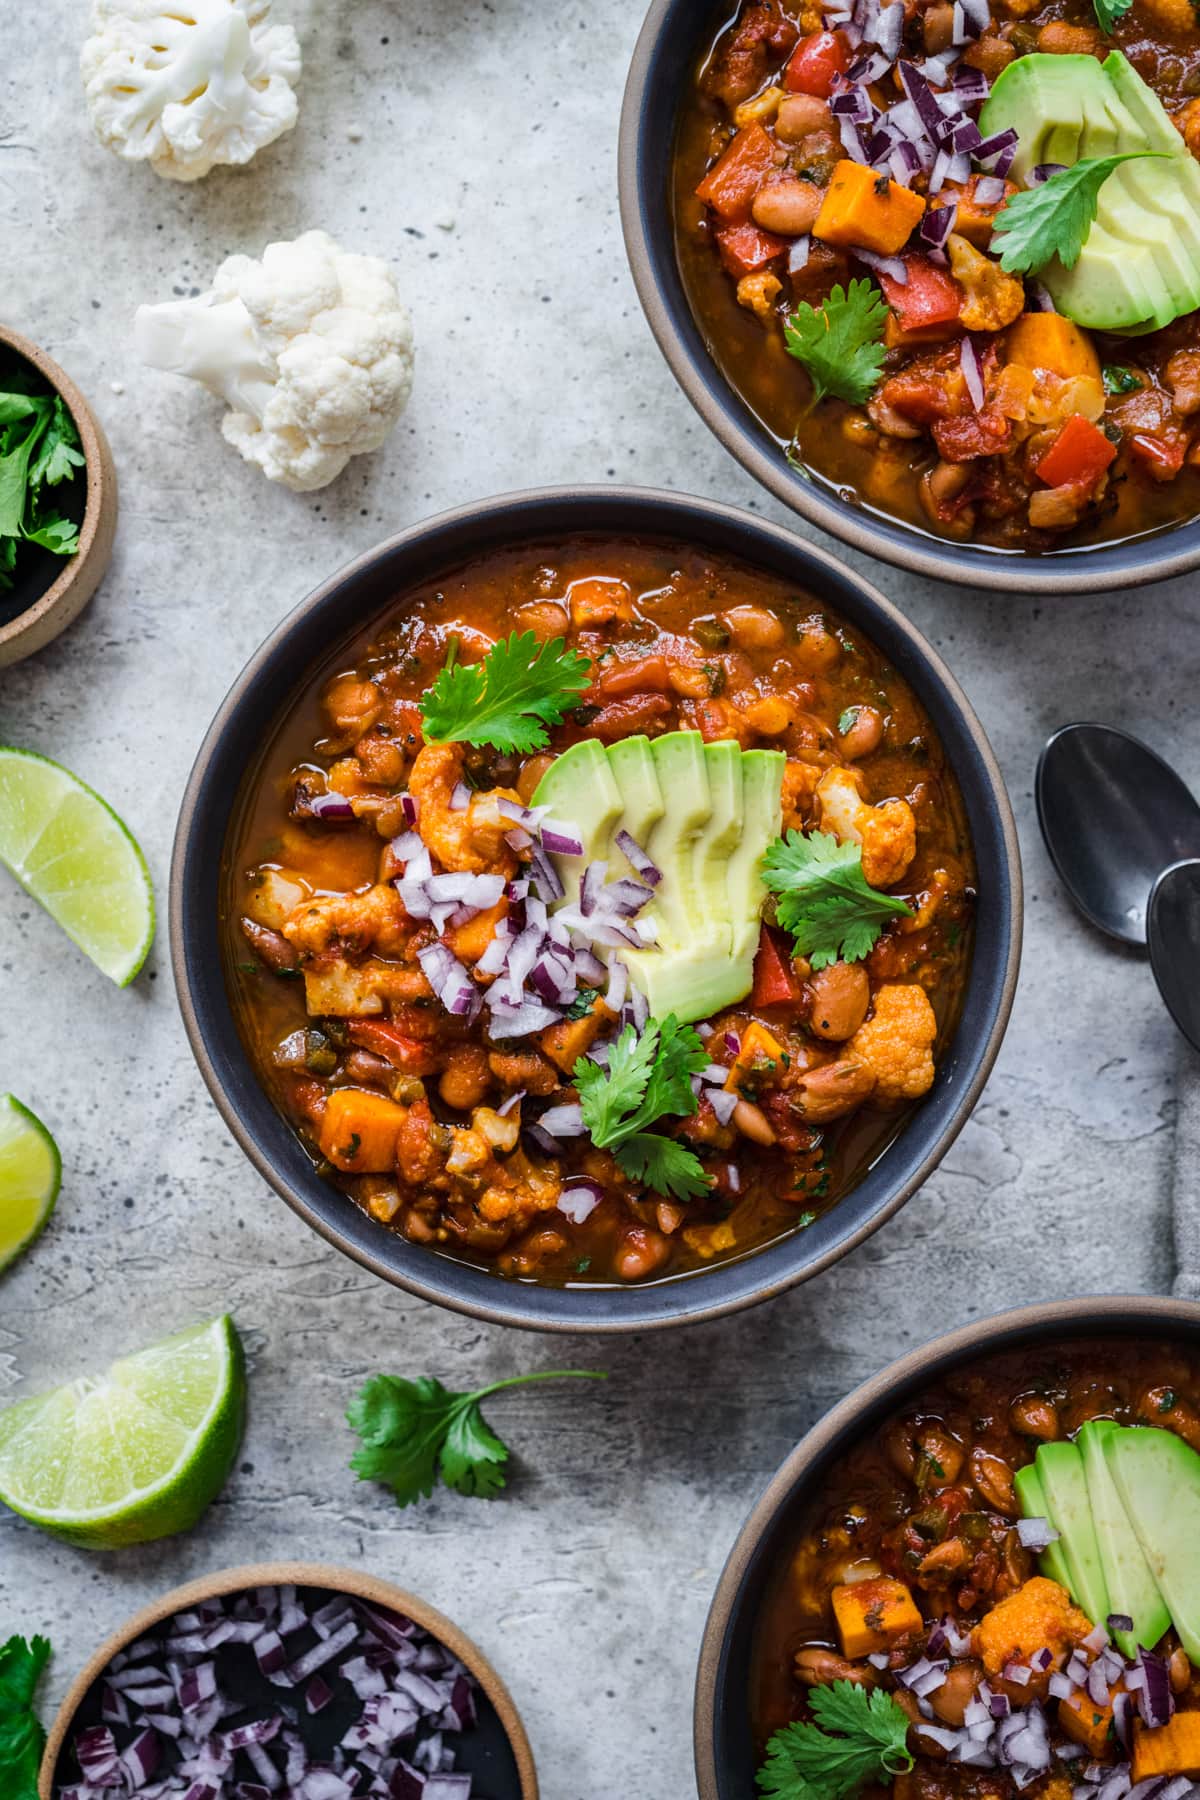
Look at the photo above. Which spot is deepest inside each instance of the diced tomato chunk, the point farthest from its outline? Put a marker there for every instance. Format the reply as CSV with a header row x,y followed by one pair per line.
x,y
929,297
1161,457
978,434
815,64
1078,456
395,1046
736,176
649,674
745,249
775,982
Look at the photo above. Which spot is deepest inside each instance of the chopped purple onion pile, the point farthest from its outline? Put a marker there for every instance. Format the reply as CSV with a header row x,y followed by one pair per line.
x,y
277,1694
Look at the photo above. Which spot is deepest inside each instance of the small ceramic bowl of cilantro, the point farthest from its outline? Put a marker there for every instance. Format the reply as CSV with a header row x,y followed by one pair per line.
x,y
58,499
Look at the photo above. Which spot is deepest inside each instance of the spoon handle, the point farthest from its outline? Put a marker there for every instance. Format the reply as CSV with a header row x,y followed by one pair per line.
x,y
1186,1179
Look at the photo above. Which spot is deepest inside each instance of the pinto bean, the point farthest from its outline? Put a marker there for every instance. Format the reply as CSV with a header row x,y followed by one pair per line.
x,y
364,1069
1036,1417
943,1561
788,207
942,1455
640,1252
1164,1406
799,115
753,1123
1060,39
270,946
466,1077
951,1700
841,994
938,28
993,1480
817,1667
524,1069
863,735
545,618
753,627
1180,1670
626,718
833,1090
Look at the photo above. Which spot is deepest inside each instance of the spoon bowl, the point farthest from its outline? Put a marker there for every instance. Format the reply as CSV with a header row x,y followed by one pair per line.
x,y
1114,815
1174,937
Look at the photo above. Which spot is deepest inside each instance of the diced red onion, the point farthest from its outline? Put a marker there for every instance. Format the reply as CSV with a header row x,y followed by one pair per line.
x,y
724,1104
460,798
1041,172
892,266
1018,1673
580,1198
330,808
853,103
563,1121
965,138
971,365
1156,1702
999,149
990,190
937,224
1096,1640
560,840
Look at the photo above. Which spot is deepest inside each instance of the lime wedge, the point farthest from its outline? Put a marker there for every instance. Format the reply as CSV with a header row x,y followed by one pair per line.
x,y
67,848
134,1454
30,1172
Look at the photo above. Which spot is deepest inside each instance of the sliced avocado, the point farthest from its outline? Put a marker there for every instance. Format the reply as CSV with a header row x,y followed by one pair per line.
x,y
1034,1505
682,771
1140,100
762,821
580,790
719,839
1132,1589
1060,1467
1158,1478
632,765
1140,265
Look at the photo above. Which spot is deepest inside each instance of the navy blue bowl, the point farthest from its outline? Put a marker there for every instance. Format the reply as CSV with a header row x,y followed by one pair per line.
x,y
344,607
674,38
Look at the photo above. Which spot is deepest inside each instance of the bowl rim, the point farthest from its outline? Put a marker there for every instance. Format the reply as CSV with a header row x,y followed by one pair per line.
x,y
81,574
1073,1318
1083,572
301,1574
640,512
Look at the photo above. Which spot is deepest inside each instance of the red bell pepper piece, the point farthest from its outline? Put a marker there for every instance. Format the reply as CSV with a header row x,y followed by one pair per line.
x,y
1078,456
815,64
395,1047
745,249
775,981
929,297
736,176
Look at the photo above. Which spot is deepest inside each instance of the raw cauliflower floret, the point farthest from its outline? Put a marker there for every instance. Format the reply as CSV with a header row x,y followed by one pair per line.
x,y
887,833
896,1043
1039,1616
185,86
311,347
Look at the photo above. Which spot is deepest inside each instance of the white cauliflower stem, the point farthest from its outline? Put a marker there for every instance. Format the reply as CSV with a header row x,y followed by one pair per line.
x,y
311,348
187,84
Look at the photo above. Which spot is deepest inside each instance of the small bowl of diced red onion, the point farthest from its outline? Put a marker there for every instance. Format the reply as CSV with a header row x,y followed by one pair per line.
x,y
288,1682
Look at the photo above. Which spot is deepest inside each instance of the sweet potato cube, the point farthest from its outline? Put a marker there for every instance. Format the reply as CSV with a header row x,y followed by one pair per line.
x,y
1039,1616
873,1615
759,1049
1085,1722
1172,1749
868,210
738,173
359,1131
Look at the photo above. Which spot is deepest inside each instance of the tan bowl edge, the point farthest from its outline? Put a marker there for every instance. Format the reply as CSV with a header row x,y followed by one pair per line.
x,y
66,598
338,1580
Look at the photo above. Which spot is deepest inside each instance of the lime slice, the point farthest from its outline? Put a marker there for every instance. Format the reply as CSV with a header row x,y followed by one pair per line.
x,y
30,1172
134,1454
68,848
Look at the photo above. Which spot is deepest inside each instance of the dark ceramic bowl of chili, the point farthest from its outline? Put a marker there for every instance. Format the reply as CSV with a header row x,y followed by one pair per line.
x,y
415,1005
966,1543
810,202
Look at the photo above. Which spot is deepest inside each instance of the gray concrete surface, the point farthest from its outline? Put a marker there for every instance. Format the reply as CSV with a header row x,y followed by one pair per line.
x,y
486,169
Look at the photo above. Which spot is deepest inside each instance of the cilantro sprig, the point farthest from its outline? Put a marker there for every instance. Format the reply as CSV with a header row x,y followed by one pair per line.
x,y
509,698
810,1762
22,1737
39,449
415,1431
647,1078
1108,12
824,899
840,342
1055,218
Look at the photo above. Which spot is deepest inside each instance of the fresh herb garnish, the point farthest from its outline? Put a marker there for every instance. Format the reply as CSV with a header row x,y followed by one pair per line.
x,y
824,899
1119,380
414,1431
22,1737
1108,12
846,720
646,1078
39,449
1055,218
806,1762
509,698
840,342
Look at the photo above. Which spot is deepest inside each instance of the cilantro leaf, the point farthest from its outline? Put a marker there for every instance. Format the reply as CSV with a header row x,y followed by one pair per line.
x,y
824,899
414,1431
1055,218
646,1078
1108,12
60,454
22,1737
1120,380
805,1762
840,342
664,1166
508,699
53,532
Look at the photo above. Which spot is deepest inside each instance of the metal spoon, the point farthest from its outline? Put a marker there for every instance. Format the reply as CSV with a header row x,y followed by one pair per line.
x,y
1114,816
1174,938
